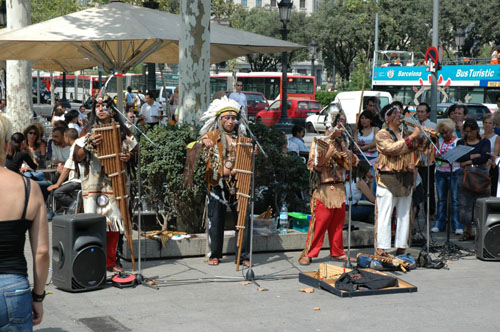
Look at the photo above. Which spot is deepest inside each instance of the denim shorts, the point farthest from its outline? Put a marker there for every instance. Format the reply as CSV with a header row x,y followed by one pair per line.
x,y
16,312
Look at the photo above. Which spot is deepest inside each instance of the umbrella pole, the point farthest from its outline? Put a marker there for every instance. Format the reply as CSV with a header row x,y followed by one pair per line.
x,y
119,92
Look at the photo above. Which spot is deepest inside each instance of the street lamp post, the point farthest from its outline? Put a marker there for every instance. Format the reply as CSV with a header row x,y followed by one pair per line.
x,y
313,46
459,40
151,66
3,14
285,8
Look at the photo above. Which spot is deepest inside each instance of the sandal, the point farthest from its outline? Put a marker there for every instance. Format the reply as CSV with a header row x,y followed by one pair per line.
x,y
400,251
213,261
305,260
466,237
342,258
381,252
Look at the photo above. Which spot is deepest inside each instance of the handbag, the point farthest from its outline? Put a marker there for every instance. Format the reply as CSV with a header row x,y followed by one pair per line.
x,y
476,182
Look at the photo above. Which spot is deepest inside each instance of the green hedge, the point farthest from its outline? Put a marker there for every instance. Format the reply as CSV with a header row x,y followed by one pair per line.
x,y
279,178
325,97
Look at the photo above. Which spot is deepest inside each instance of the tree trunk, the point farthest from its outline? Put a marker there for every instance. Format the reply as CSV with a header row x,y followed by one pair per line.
x,y
194,60
19,79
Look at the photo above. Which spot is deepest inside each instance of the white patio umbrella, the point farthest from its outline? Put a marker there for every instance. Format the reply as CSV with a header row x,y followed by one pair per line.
x,y
118,36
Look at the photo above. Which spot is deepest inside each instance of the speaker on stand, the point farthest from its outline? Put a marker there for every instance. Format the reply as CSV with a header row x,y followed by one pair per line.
x,y
487,219
79,252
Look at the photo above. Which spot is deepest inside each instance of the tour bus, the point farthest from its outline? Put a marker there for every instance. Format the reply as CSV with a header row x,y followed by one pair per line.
x,y
268,83
136,82
466,80
77,86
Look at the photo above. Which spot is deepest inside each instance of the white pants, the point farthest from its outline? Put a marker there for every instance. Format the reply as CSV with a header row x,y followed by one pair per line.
x,y
385,205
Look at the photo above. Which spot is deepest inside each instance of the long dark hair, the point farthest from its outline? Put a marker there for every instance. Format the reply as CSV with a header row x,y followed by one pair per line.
x,y
15,142
369,116
38,134
472,125
361,170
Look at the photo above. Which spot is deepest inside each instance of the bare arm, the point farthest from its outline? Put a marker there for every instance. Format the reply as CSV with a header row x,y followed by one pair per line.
x,y
60,180
39,240
373,144
366,190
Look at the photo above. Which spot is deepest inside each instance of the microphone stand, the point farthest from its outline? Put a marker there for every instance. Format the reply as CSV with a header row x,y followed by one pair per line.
x,y
427,195
140,280
351,143
450,157
250,275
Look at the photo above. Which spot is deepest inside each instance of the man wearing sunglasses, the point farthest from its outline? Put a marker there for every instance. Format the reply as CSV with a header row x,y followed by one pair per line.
x,y
240,97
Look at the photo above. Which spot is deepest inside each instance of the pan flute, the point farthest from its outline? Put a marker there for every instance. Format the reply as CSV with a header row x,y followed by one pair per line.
x,y
243,169
322,148
108,153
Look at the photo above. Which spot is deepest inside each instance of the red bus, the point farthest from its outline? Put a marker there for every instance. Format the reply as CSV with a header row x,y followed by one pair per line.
x,y
268,83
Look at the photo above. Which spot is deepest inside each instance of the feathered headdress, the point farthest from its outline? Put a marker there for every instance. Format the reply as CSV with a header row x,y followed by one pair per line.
x,y
334,111
215,110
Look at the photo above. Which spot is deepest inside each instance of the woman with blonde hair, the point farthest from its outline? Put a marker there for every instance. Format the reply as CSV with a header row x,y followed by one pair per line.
x,y
22,209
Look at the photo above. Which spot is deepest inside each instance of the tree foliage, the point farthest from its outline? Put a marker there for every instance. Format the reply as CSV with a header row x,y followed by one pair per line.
x,y
43,10
343,30
266,21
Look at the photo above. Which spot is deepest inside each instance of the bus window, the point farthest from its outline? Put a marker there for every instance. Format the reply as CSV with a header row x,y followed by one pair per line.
x,y
300,86
491,96
218,84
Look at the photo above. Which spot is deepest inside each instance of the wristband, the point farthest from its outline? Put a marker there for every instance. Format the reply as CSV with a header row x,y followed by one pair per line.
x,y
36,297
408,142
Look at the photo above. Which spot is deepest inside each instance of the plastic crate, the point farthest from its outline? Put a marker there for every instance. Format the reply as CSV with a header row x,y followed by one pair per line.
x,y
299,221
264,227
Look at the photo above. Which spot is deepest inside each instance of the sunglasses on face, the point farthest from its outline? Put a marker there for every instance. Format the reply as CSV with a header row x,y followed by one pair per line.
x,y
32,133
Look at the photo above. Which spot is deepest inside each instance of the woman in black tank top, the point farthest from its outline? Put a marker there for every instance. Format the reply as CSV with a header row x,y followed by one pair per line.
x,y
21,209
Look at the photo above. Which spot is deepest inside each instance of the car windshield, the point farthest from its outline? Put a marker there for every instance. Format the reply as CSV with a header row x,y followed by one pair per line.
x,y
314,105
475,112
255,98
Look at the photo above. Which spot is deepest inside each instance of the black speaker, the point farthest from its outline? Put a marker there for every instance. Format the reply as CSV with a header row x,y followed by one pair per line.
x,y
487,218
79,251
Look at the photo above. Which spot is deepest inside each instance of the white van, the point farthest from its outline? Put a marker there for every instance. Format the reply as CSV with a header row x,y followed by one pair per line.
x,y
163,96
350,102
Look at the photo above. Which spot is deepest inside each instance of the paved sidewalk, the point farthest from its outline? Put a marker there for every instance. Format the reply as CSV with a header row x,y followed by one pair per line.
x,y
192,298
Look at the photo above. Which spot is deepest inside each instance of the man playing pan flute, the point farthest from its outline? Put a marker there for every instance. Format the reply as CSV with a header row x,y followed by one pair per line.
x,y
97,190
396,178
219,136
328,161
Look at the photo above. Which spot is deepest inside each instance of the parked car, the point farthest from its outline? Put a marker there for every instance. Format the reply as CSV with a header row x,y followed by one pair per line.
x,y
475,111
316,123
256,102
298,111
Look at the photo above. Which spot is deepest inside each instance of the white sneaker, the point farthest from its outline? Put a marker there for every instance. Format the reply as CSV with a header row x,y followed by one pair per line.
x,y
435,230
459,232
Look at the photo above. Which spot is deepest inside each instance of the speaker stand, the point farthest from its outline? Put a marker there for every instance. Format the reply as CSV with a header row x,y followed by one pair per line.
x,y
139,278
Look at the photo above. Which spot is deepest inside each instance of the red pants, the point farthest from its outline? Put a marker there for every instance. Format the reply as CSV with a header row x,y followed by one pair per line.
x,y
111,243
331,220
